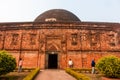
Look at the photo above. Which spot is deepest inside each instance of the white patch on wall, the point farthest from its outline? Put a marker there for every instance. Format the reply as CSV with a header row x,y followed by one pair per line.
x,y
50,19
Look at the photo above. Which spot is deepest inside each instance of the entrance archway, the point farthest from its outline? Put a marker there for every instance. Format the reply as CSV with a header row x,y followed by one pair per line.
x,y
52,56
52,61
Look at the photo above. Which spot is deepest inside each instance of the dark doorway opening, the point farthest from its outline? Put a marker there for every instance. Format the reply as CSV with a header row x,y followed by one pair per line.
x,y
52,61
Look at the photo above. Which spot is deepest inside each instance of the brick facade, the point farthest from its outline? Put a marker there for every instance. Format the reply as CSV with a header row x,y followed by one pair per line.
x,y
80,41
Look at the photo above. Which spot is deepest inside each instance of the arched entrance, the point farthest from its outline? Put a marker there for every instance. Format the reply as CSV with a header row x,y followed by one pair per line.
x,y
53,61
52,58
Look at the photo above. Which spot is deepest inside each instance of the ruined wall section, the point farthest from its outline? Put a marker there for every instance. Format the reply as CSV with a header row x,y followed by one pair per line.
x,y
79,37
30,39
12,39
93,40
109,41
19,39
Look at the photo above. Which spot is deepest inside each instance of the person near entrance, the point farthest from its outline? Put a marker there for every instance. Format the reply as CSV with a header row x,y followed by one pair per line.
x,y
93,66
70,63
20,65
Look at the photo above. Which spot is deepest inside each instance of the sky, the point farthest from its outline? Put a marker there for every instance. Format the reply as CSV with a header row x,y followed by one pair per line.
x,y
85,10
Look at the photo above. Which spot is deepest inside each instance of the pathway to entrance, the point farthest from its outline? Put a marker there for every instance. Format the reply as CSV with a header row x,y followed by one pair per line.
x,y
53,74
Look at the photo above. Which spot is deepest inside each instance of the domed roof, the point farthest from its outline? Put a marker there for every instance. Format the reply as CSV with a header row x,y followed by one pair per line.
x,y
57,15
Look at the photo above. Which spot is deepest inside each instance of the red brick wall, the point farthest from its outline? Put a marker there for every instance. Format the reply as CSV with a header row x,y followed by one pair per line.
x,y
32,44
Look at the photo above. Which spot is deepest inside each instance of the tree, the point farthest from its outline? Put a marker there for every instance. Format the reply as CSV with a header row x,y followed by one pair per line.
x,y
110,66
7,62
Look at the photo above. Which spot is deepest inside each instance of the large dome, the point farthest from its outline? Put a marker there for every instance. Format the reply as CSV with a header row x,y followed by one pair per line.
x,y
57,15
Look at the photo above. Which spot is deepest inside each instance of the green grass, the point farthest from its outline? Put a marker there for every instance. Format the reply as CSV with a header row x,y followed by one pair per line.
x,y
14,76
94,76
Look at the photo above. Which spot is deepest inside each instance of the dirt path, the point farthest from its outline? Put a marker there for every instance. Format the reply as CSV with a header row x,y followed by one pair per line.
x,y
50,74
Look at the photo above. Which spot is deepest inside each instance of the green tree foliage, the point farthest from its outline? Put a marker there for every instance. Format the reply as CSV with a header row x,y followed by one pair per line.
x,y
7,63
110,66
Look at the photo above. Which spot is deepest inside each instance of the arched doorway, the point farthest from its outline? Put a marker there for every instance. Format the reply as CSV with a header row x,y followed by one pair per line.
x,y
52,58
53,61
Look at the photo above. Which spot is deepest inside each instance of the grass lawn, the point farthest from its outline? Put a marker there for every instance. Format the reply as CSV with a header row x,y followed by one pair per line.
x,y
94,76
14,76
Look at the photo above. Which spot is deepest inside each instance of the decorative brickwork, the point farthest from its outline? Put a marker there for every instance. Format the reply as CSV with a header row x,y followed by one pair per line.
x,y
80,41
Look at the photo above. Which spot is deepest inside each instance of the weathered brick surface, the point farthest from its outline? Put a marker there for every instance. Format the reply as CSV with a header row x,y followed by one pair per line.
x,y
79,41
1,39
8,40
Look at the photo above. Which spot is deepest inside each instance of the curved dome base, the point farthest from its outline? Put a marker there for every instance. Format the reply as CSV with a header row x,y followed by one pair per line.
x,y
57,15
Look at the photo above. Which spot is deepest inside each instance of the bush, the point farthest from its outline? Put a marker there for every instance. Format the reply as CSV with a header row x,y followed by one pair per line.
x,y
7,63
110,66
77,75
32,74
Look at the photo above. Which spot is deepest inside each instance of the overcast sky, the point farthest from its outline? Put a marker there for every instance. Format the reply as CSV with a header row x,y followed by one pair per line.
x,y
86,10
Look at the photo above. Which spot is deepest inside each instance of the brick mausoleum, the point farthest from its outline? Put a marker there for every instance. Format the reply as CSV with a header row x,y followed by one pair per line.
x,y
58,35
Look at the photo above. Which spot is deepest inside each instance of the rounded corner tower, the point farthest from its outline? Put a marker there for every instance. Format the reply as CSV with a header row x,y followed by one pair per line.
x,y
59,15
